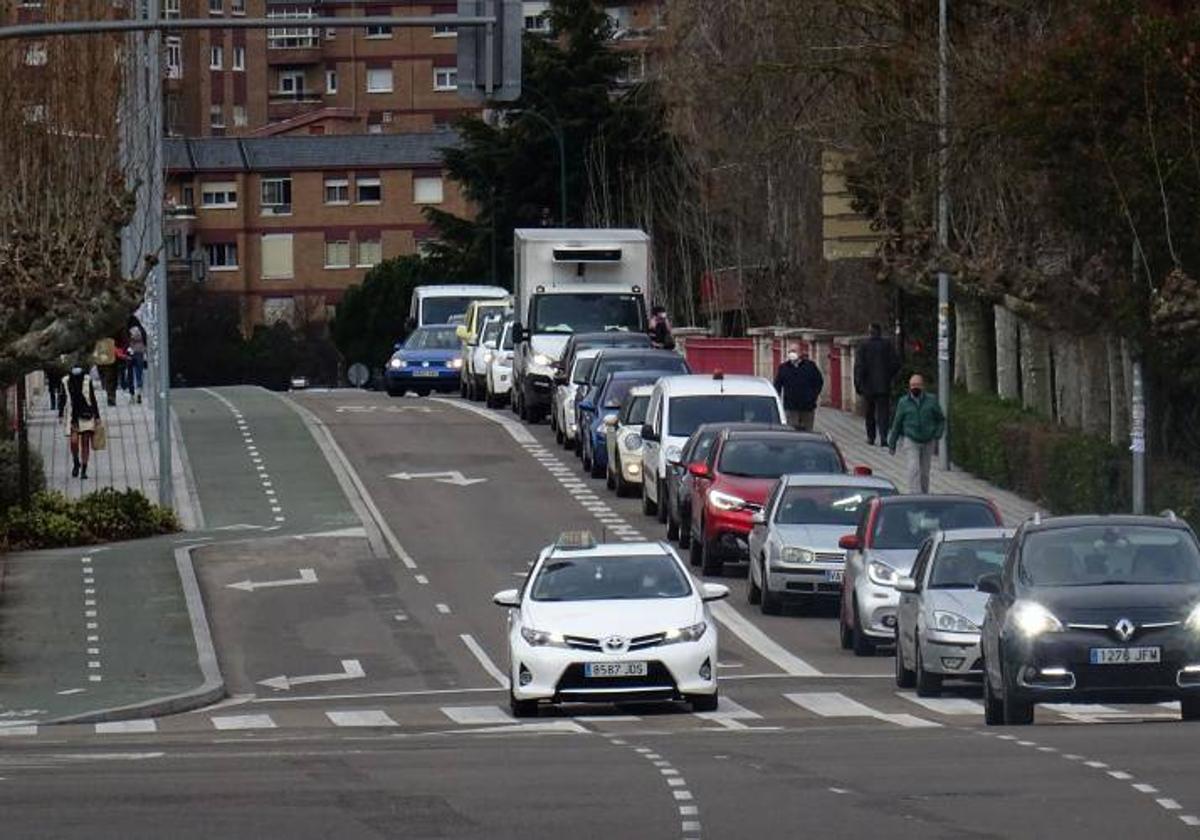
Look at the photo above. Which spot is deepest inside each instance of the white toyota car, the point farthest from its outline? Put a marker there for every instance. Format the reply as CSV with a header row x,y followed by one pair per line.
x,y
610,622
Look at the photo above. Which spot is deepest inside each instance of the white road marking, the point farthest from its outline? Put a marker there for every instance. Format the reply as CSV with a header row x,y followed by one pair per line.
x,y
606,718
446,477
352,669
307,576
1096,765
764,645
68,692
442,608
481,655
834,704
476,715
6,730
126,727
944,705
421,579
515,429
691,826
364,718
1169,804
1084,710
1189,820
682,795
1142,787
677,782
729,710
238,722
1120,775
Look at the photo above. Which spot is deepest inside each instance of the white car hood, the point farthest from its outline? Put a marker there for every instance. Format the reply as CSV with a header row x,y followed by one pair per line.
x,y
549,344
597,619
814,537
968,603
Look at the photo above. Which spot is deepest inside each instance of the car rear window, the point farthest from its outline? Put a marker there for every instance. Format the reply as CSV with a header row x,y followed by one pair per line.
x,y
1107,555
825,505
689,413
583,368
669,363
773,457
959,564
905,525
621,578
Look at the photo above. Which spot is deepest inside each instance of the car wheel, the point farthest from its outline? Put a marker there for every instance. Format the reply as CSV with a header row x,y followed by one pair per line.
x,y
522,708
685,533
711,563
587,459
559,437
648,507
1189,707
597,470
610,480
395,392
1017,712
929,684
463,390
905,678
662,498
993,709
421,392
554,421
772,604
863,646
753,592
704,702
490,400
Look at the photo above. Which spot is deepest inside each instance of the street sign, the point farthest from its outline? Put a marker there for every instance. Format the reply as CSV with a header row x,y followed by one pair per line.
x,y
358,374
489,57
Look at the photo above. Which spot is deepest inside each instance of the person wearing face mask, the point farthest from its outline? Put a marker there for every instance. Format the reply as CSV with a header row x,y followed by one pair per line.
x,y
918,425
82,418
799,383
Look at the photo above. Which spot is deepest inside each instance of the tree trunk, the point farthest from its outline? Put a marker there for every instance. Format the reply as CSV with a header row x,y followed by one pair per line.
x,y
1118,430
959,359
1036,393
1008,361
1068,380
974,346
1094,404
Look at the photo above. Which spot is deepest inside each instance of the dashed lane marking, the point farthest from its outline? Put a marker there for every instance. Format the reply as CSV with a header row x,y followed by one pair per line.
x,y
364,718
227,723
476,715
126,727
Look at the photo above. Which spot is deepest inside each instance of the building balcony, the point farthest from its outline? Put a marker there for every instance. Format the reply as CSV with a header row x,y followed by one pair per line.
x,y
304,52
285,106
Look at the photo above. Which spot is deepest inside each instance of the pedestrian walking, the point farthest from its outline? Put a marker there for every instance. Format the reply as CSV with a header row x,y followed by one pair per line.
x,y
875,366
137,356
799,383
918,425
83,418
660,329
54,373
105,358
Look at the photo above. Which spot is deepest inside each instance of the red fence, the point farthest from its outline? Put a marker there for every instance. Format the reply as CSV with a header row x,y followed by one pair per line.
x,y
731,355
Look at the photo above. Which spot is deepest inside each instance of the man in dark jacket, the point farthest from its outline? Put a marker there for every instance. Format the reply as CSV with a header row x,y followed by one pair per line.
x,y
799,382
875,366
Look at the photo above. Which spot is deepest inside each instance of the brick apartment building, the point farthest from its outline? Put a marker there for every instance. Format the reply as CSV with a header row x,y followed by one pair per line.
x,y
288,223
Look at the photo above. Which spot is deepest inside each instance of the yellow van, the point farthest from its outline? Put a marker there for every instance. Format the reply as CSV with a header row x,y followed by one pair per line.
x,y
471,334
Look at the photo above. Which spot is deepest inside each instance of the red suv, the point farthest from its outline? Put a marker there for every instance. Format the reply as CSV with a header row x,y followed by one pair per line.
x,y
733,482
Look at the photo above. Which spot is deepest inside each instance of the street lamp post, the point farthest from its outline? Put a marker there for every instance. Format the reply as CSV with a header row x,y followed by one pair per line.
x,y
943,231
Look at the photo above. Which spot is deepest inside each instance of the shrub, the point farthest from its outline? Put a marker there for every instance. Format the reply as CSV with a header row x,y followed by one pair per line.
x,y
10,474
108,515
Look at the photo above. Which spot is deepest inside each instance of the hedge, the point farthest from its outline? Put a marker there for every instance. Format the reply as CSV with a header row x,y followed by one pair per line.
x,y
108,515
1063,470
10,474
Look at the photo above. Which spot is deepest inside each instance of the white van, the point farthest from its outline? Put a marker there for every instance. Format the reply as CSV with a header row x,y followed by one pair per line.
x,y
680,404
440,304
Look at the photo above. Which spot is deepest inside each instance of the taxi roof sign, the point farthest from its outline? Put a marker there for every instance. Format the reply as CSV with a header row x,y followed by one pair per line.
x,y
575,541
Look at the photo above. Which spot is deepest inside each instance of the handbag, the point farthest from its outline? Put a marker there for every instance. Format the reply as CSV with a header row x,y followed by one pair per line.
x,y
100,437
105,352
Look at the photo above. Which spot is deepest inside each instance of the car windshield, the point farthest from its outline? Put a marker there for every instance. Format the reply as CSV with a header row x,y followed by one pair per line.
x,y
959,564
825,505
619,578
687,413
668,363
615,392
439,310
701,443
491,330
905,525
1098,555
432,338
634,413
571,313
771,458
583,367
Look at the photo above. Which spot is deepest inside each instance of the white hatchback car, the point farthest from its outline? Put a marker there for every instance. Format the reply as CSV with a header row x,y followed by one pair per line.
x,y
610,622
562,401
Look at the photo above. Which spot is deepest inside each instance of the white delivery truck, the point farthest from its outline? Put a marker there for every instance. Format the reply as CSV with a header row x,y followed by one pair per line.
x,y
569,281
442,304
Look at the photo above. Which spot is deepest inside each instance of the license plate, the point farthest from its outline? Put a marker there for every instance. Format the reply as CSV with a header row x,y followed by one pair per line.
x,y
835,575
1126,656
425,373
615,669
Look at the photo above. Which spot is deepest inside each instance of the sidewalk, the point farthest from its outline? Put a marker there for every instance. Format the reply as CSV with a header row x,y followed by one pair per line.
x,y
850,434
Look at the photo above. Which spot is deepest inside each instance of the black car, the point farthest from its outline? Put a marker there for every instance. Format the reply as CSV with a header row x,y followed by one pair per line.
x,y
1093,609
667,362
679,480
590,341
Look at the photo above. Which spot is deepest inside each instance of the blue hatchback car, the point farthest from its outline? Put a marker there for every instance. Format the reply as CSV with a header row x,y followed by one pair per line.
x,y
605,400
430,359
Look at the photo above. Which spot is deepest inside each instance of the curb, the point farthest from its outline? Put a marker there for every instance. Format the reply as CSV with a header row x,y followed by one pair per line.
x,y
211,690
187,503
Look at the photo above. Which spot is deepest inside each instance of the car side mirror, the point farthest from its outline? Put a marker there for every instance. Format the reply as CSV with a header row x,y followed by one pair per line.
x,y
905,584
648,433
713,591
758,518
462,333
850,542
989,584
510,598
700,470
610,420
863,469
518,333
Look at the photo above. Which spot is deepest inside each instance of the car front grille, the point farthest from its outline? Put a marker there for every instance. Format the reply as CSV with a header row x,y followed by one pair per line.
x,y
657,676
643,642
831,557
593,645
582,643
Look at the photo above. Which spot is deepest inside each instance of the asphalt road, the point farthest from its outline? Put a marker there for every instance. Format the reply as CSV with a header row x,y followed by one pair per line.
x,y
809,740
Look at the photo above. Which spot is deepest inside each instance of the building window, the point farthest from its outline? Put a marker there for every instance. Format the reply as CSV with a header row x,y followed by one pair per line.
x,y
537,23
379,32
216,117
279,310
276,196
222,256
293,38
374,128
216,58
35,54
291,83
445,30
174,57
216,7
237,7
427,189
379,80
188,196
337,254
170,8
370,252
173,240
239,116
330,81
337,191
370,190
277,256
445,78
219,195
239,58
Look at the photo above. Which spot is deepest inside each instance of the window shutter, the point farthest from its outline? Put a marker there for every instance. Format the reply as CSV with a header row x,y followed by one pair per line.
x,y
277,256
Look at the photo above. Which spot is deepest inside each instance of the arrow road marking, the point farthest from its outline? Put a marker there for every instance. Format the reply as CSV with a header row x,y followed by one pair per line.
x,y
447,477
351,670
306,576
391,409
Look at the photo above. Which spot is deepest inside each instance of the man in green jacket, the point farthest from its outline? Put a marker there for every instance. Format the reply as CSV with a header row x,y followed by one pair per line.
x,y
920,423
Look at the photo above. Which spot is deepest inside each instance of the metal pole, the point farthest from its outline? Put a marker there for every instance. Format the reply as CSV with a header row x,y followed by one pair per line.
x,y
1137,437
943,231
562,176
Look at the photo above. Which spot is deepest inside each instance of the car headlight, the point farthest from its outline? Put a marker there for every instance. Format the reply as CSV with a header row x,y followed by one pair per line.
x,y
792,554
1193,620
953,623
488,356
686,634
396,364
633,442
673,453
881,573
1032,619
542,359
542,638
454,364
725,501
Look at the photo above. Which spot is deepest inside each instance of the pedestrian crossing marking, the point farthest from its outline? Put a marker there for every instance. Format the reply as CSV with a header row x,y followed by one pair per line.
x,y
834,704
364,718
476,715
227,723
945,705
126,727
6,729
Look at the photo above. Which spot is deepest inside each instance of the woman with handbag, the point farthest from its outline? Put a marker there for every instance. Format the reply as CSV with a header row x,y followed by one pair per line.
x,y
83,419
